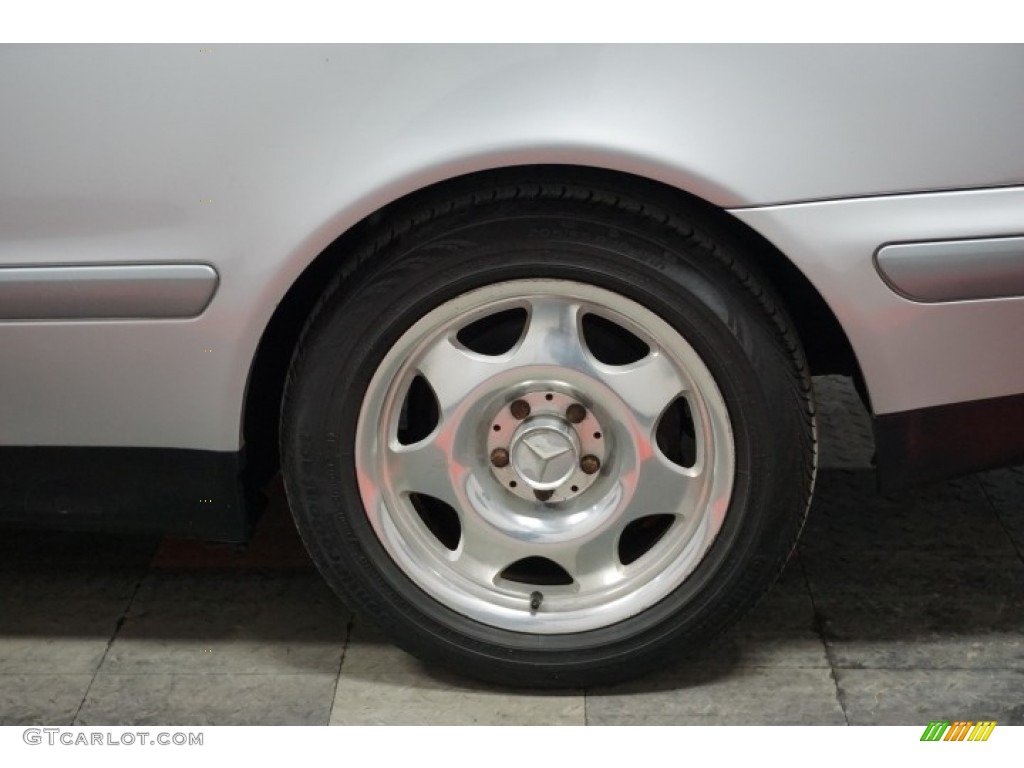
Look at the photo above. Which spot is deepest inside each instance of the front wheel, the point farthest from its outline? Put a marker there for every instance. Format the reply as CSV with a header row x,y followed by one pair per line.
x,y
550,438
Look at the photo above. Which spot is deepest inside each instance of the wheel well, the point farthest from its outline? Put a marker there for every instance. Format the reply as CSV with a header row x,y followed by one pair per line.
x,y
827,347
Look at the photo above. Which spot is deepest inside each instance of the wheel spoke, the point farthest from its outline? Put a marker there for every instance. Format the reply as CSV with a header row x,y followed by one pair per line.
x,y
659,488
426,468
552,335
484,551
594,563
647,386
454,371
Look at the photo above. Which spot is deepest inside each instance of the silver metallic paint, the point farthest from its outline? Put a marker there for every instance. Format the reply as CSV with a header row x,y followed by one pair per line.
x,y
253,159
955,270
93,292
913,355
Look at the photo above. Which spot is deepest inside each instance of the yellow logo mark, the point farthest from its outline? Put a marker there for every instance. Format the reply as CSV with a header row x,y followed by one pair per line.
x,y
982,730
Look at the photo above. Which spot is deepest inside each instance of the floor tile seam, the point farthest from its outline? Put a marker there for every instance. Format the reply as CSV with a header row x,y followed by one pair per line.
x,y
341,666
110,642
1019,547
819,630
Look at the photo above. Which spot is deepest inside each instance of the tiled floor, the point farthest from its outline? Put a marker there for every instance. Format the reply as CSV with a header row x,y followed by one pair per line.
x,y
896,610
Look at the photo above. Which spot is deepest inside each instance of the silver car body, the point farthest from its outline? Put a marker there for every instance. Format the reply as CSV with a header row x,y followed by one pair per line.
x,y
239,165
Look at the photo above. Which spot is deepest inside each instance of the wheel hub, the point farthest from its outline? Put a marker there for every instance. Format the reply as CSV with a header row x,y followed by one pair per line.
x,y
545,452
546,446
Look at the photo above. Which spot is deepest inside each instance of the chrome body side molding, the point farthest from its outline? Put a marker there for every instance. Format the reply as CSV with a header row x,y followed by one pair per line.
x,y
954,270
99,292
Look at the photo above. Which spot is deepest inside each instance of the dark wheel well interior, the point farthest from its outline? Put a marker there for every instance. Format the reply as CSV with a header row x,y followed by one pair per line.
x,y
827,347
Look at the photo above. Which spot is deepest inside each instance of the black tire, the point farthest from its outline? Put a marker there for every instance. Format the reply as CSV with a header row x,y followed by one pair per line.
x,y
677,261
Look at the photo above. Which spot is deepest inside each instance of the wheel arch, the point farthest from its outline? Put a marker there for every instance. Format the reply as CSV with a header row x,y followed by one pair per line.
x,y
825,342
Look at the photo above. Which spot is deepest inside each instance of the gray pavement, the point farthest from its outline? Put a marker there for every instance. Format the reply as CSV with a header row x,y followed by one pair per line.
x,y
895,610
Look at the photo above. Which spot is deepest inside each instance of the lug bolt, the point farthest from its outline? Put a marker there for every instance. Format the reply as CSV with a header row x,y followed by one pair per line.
x,y
499,457
575,413
590,464
520,409
543,495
